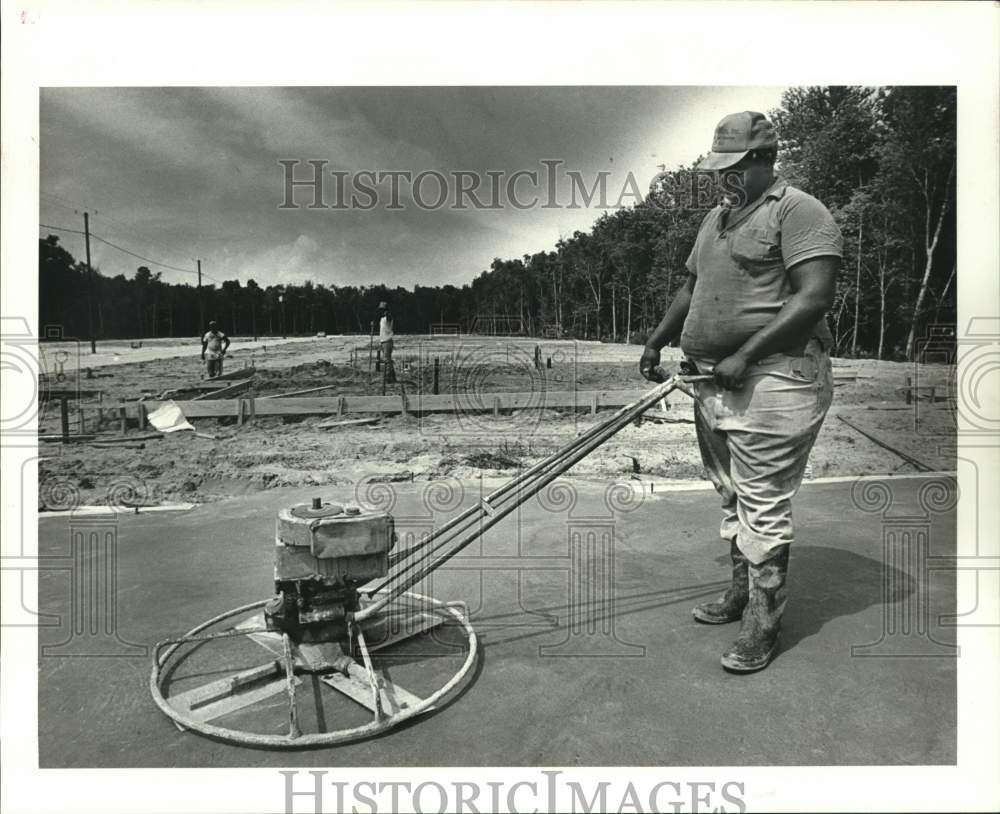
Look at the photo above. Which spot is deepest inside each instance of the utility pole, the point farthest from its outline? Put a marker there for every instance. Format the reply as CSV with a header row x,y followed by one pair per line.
x,y
201,304
90,283
253,313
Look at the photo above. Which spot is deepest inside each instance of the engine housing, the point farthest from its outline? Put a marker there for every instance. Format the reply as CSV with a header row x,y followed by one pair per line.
x,y
324,552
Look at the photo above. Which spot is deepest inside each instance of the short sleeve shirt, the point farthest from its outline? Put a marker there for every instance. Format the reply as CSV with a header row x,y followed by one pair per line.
x,y
213,343
741,261
385,329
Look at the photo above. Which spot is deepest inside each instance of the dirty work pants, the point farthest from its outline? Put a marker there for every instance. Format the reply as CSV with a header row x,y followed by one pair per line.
x,y
755,442
214,367
390,370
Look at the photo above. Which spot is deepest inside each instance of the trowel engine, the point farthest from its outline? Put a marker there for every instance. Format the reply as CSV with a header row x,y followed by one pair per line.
x,y
324,553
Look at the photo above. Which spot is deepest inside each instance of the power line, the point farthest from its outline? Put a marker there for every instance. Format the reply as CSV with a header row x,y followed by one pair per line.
x,y
140,257
126,251
78,208
110,223
60,228
115,246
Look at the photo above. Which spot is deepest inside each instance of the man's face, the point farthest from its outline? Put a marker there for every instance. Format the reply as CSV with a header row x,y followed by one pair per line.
x,y
731,184
744,179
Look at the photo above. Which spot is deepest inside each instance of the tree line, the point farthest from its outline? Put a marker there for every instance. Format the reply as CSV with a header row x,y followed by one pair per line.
x,y
881,159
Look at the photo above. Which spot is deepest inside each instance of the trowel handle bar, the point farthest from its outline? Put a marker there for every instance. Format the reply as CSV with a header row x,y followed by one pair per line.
x,y
664,376
448,540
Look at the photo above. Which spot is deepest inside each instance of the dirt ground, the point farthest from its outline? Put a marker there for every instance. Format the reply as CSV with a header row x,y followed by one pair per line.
x,y
282,451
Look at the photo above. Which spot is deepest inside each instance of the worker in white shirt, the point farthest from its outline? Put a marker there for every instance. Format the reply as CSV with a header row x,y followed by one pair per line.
x,y
214,345
385,340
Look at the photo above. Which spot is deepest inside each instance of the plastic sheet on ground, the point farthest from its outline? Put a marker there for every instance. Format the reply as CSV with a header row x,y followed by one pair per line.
x,y
169,418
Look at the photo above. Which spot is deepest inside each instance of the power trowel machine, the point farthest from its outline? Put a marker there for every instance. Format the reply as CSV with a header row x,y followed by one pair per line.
x,y
342,594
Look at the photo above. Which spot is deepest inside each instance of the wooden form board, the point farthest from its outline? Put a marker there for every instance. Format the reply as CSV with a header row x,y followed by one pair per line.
x,y
235,373
338,405
467,403
231,389
208,384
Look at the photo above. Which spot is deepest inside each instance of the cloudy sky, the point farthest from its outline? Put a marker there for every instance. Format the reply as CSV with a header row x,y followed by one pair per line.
x,y
175,174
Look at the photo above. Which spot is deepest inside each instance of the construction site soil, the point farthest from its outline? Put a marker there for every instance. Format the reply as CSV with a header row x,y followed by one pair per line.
x,y
275,451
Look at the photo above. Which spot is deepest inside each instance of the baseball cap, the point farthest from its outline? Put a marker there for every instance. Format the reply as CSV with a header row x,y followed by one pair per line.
x,y
735,136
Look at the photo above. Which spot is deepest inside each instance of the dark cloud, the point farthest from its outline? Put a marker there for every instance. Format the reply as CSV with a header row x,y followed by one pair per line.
x,y
181,173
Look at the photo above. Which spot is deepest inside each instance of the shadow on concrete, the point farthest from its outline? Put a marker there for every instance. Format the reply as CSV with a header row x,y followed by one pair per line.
x,y
622,605
827,583
824,584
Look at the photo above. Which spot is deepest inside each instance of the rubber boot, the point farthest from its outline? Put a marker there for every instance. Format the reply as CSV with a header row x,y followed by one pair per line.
x,y
728,608
757,642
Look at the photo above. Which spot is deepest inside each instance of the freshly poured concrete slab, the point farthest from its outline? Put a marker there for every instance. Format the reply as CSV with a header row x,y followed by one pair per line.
x,y
582,602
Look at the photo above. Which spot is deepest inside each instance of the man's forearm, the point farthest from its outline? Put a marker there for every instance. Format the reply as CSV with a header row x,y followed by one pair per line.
x,y
673,321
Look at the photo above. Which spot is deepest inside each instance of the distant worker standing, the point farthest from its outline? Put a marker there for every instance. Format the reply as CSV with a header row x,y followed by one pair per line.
x,y
385,336
214,345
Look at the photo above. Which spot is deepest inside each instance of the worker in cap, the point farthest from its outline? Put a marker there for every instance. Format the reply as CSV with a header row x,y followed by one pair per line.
x,y
214,345
752,313
736,136
385,338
